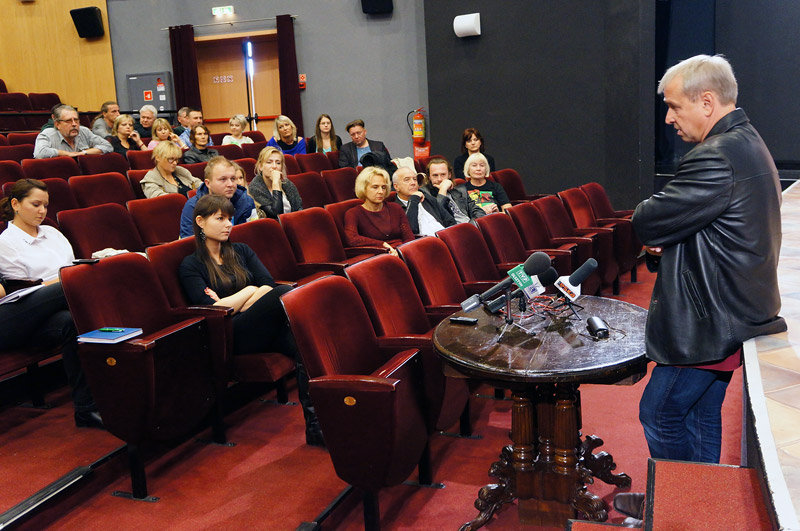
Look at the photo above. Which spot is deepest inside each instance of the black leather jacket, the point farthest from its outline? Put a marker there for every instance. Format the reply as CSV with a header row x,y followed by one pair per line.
x,y
719,223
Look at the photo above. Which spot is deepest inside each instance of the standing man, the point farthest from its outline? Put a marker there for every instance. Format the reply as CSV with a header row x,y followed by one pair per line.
x,y
68,138
193,118
423,221
352,152
147,115
103,124
454,198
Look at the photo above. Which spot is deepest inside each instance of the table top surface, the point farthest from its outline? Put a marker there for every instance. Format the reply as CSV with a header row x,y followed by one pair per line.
x,y
562,350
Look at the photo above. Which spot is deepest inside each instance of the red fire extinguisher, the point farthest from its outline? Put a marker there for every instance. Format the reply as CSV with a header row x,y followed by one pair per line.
x,y
421,147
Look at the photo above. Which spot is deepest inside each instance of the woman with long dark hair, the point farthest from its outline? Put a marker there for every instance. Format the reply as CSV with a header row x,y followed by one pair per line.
x,y
471,142
222,273
325,138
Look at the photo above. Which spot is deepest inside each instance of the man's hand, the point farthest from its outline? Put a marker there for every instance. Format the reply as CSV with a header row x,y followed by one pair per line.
x,y
445,186
656,251
420,195
62,153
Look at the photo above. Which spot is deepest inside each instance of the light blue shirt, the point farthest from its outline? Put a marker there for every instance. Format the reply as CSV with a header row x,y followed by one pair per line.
x,y
185,137
50,141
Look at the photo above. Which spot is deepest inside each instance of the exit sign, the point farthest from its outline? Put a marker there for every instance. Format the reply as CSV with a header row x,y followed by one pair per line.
x,y
222,10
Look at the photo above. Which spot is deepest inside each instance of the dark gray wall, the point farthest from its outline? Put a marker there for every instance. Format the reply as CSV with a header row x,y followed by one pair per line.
x,y
562,91
358,65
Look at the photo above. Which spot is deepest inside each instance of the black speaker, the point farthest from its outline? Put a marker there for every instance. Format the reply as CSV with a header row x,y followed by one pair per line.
x,y
88,21
377,7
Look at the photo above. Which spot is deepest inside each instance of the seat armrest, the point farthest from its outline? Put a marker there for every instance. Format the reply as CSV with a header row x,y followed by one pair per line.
x,y
290,283
436,314
560,240
309,269
477,287
350,252
504,267
336,267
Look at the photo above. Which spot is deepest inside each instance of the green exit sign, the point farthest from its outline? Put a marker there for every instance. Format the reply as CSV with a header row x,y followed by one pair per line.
x,y
222,10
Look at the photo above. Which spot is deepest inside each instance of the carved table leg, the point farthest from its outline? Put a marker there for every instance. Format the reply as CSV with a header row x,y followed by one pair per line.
x,y
601,464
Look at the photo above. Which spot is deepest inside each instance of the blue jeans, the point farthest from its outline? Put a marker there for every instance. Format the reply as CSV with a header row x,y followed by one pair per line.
x,y
681,413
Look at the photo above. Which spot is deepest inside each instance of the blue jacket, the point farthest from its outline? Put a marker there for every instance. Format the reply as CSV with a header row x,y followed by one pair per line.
x,y
242,202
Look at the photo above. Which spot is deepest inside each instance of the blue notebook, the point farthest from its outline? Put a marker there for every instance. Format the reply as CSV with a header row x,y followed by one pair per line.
x,y
109,334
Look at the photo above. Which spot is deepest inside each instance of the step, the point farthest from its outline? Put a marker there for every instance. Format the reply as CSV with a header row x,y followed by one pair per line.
x,y
584,525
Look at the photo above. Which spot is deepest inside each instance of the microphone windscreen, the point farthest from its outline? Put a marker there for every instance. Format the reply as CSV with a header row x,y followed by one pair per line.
x,y
582,272
549,277
536,264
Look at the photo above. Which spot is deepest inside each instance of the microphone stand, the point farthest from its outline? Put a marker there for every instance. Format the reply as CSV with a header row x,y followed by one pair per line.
x,y
570,306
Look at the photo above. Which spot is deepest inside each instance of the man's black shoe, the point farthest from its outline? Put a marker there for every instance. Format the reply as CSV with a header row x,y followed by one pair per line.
x,y
630,504
88,419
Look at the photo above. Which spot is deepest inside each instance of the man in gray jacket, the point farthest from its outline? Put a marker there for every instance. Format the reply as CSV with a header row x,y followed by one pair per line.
x,y
451,197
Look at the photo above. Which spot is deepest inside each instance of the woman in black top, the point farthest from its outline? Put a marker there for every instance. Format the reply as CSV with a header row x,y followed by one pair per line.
x,y
124,137
471,143
222,273
325,138
199,152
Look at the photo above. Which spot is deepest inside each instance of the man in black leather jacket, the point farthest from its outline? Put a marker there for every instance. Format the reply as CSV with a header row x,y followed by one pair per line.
x,y
718,226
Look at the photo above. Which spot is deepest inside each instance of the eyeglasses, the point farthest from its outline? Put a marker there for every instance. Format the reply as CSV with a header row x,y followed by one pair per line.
x,y
173,160
70,121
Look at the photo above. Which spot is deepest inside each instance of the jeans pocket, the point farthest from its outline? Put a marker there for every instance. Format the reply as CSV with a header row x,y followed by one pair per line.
x,y
694,294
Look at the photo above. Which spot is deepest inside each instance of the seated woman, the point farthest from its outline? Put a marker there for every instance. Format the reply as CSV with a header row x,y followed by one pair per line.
x,y
325,138
222,273
471,142
237,124
33,253
124,137
162,132
273,192
284,137
376,223
489,195
199,152
167,177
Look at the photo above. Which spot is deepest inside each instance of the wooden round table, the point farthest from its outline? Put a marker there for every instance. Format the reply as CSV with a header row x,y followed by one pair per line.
x,y
547,465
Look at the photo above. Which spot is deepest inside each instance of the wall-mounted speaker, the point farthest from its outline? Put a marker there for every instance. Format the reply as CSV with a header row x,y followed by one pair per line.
x,y
88,21
377,7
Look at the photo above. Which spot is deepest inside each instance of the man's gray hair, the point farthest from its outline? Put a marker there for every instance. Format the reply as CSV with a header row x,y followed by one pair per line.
x,y
146,108
59,112
396,177
701,73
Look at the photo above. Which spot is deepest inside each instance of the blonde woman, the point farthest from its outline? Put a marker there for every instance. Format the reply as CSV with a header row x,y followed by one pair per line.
x,y
237,124
167,177
124,137
162,132
271,188
284,137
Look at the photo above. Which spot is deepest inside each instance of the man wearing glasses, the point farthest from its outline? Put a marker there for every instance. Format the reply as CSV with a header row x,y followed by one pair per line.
x,y
68,138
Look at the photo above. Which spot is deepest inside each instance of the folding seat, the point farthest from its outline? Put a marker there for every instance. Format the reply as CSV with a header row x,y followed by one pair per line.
x,y
249,167
315,240
3,140
155,387
157,218
313,162
341,183
10,172
16,153
3,86
506,246
531,227
511,182
472,257
99,227
217,138
197,169
269,242
135,178
257,136
60,195
252,150
400,320
56,167
141,160
292,168
601,204
338,211
559,225
312,189
366,397
626,246
14,102
333,158
103,163
271,367
101,188
229,151
16,139
12,121
43,101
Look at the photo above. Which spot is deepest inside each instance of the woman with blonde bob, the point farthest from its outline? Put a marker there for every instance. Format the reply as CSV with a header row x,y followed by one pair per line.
x,y
489,195
237,124
162,132
272,190
376,223
124,137
167,177
284,137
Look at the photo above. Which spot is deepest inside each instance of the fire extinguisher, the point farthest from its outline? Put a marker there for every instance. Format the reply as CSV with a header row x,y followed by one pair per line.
x,y
417,126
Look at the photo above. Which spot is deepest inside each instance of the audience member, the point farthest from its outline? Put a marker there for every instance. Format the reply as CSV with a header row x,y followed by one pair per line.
x,y
167,177
324,135
351,153
376,222
489,195
284,137
124,137
199,137
471,142
183,120
51,121
68,138
454,198
220,179
237,124
105,120
423,221
241,176
194,117
273,192
222,273
162,132
32,253
147,115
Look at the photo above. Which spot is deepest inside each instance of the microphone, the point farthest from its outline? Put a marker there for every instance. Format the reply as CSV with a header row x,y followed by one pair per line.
x,y
540,284
597,327
570,286
536,264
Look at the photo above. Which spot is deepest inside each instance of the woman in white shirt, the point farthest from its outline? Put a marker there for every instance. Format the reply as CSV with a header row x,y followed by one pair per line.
x,y
237,124
32,253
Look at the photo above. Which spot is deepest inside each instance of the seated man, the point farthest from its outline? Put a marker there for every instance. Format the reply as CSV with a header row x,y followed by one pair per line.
x,y
183,120
147,115
220,179
69,138
49,124
423,221
103,124
352,152
453,198
193,118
